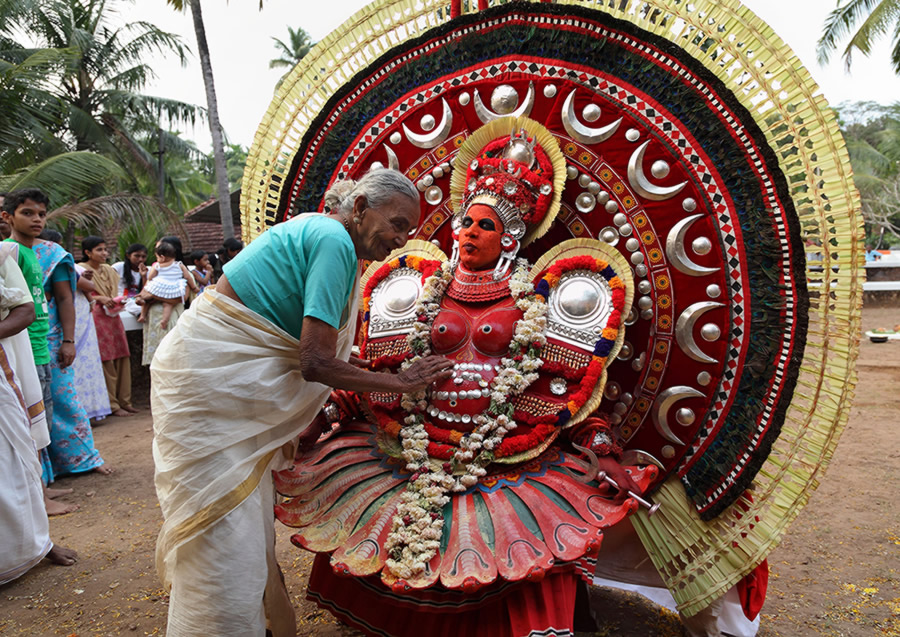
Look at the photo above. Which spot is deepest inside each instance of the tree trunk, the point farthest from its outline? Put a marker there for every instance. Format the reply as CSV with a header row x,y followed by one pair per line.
x,y
215,128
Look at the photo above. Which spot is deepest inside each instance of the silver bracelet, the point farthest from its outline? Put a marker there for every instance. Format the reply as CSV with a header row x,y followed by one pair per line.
x,y
332,413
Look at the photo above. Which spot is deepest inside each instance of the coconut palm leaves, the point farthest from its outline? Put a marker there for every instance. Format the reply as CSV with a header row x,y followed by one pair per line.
x,y
298,45
874,18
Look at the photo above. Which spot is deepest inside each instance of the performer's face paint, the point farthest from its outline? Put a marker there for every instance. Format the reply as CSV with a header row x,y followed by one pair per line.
x,y
479,238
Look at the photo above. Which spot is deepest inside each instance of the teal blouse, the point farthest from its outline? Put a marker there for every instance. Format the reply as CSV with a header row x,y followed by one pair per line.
x,y
302,267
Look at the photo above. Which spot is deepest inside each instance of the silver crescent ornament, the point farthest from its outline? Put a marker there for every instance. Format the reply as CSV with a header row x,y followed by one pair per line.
x,y
676,252
684,330
486,115
581,133
436,137
642,185
664,402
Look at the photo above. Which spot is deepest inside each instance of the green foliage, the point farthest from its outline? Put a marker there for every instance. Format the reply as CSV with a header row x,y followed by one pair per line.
x,y
295,49
871,20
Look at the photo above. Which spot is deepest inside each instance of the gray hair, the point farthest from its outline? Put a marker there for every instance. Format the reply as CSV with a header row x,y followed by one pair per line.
x,y
378,186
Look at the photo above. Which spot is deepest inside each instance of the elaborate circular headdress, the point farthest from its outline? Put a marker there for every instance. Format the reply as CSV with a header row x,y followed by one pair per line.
x,y
694,143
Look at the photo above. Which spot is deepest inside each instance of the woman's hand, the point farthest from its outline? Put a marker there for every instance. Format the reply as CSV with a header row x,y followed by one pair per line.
x,y
423,372
88,274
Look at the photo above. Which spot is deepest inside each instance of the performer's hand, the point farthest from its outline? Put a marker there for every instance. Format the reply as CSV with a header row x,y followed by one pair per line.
x,y
423,372
311,434
617,472
88,274
66,354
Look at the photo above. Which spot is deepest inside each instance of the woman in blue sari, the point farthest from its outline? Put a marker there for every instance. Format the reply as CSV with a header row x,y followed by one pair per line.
x,y
71,439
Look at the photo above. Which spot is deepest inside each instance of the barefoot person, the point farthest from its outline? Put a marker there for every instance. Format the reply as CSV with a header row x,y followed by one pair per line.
x,y
167,281
245,371
24,529
71,440
110,331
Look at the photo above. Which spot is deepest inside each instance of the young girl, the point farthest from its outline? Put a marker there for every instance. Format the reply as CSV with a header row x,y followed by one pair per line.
x,y
200,268
110,332
166,282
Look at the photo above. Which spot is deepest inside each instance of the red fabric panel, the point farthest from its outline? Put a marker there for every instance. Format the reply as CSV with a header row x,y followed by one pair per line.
x,y
752,590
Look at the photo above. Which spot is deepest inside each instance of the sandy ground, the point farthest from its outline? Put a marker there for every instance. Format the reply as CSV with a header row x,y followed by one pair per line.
x,y
837,573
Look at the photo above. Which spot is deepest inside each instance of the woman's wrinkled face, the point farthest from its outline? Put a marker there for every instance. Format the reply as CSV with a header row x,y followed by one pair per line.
x,y
137,259
384,229
479,238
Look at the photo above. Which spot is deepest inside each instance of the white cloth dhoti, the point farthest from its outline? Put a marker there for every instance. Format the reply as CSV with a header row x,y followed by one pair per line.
x,y
227,394
24,529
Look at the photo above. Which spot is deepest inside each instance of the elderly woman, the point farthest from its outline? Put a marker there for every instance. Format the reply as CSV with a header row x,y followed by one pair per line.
x,y
244,372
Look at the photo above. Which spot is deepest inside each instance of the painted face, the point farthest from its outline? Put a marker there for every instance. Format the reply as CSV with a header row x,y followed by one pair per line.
x,y
385,228
479,238
28,219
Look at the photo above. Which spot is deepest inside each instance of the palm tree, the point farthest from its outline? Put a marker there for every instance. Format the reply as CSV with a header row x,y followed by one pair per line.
x,y
215,126
877,18
299,44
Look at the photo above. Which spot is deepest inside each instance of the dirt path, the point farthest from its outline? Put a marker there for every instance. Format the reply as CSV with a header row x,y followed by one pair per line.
x,y
837,573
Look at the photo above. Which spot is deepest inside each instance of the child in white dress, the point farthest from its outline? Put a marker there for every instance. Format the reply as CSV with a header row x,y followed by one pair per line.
x,y
167,280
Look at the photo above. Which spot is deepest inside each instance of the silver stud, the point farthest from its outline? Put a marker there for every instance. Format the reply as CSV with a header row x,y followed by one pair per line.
x,y
550,91
713,291
644,286
615,419
602,197
433,411
620,409
701,245
427,122
571,172
637,258
584,180
632,244
421,185
612,390
464,99
668,451
627,398
434,195
438,172
659,169
466,418
396,138
638,363
585,202
632,134
620,219
558,386
625,230
626,352
457,418
428,180
647,314
645,302
689,204
591,113
611,206
485,392
442,415
546,189
454,395
640,270
504,99
376,165
684,416
610,235
710,332
457,381
593,188
632,317
704,378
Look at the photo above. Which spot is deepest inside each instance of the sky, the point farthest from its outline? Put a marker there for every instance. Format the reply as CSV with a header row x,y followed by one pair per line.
x,y
241,45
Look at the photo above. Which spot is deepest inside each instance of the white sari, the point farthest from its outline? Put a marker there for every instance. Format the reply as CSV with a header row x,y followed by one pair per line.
x,y
228,401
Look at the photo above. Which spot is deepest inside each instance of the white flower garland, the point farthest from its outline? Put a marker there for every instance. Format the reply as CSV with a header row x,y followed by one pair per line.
x,y
417,526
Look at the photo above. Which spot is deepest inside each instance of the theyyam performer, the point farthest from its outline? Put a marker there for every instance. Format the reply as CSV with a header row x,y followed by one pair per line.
x,y
616,201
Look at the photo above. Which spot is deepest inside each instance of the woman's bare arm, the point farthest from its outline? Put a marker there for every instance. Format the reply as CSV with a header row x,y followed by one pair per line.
x,y
318,347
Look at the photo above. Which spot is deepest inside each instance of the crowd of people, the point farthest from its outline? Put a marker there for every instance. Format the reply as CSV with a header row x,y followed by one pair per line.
x,y
66,359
